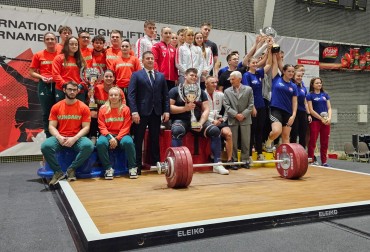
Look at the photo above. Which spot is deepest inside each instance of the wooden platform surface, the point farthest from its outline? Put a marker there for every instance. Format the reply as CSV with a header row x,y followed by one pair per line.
x,y
125,204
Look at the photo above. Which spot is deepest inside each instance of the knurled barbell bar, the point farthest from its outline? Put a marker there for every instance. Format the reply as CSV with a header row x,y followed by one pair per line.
x,y
292,163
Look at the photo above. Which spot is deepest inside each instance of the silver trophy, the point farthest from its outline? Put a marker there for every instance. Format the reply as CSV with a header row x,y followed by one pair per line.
x,y
324,115
269,31
190,93
91,76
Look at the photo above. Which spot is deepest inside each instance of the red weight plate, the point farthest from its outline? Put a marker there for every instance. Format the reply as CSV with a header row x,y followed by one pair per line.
x,y
287,170
174,177
189,166
297,148
303,162
183,168
179,171
296,152
170,174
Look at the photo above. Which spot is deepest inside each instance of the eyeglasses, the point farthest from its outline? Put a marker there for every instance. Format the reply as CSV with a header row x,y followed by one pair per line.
x,y
72,89
85,37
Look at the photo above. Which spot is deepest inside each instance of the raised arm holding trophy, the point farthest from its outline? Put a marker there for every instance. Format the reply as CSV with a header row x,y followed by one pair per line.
x,y
270,32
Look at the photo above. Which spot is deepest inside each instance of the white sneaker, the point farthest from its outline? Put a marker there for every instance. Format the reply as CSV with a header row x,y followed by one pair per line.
x,y
109,173
261,157
133,173
220,169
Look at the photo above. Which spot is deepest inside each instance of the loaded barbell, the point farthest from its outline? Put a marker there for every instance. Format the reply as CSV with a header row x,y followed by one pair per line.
x,y
292,163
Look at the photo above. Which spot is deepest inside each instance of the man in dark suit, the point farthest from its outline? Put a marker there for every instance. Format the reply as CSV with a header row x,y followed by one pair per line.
x,y
148,101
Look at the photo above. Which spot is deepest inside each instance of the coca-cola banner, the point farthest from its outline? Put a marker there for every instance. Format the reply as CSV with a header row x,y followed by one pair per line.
x,y
344,57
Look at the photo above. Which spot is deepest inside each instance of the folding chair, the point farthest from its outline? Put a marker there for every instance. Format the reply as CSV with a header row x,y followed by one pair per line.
x,y
363,152
350,151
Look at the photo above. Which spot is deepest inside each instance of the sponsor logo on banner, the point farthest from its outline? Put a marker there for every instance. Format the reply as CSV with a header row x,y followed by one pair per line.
x,y
224,50
330,52
308,62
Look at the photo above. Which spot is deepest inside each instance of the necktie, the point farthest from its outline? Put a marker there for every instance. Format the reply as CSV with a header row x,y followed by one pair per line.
x,y
151,77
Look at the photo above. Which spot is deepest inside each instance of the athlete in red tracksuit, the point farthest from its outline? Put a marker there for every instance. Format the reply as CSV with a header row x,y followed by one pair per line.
x,y
164,58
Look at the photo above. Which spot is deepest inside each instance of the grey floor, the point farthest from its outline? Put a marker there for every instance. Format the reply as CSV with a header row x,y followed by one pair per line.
x,y
30,220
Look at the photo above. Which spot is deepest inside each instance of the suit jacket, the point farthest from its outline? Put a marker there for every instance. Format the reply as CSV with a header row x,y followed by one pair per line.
x,y
143,97
241,103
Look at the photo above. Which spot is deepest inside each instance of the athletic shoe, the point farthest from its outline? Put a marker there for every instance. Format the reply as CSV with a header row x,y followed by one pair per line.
x,y
56,177
71,174
269,146
315,163
133,173
326,165
220,170
109,173
232,167
261,157
245,165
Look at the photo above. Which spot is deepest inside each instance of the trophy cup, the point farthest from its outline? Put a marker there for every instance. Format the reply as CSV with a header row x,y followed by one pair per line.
x,y
190,93
324,115
269,31
91,76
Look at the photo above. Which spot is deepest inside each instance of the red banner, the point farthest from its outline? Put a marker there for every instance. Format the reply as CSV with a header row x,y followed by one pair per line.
x,y
344,57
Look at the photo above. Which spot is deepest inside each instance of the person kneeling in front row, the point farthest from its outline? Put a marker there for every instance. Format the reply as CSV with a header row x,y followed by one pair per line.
x,y
114,121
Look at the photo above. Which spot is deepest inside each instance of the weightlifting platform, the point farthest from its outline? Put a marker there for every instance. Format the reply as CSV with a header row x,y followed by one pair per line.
x,y
122,214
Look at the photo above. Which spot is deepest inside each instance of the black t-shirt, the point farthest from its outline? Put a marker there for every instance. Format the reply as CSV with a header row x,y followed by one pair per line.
x,y
224,82
174,95
213,47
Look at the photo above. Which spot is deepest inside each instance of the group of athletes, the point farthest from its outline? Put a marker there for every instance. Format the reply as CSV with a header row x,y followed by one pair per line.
x,y
240,106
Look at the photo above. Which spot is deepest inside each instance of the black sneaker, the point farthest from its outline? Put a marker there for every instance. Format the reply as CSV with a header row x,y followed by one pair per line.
x,y
231,167
245,165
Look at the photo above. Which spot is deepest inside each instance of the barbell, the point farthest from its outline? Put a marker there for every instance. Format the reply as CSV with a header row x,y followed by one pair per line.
x,y
292,163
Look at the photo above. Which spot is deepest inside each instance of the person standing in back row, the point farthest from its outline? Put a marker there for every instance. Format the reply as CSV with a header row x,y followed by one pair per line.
x,y
146,43
205,29
189,56
164,58
41,68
